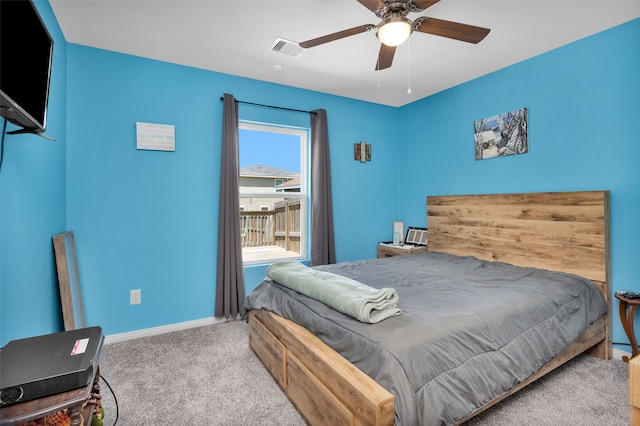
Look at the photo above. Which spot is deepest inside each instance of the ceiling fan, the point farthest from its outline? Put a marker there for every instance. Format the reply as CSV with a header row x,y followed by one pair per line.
x,y
395,27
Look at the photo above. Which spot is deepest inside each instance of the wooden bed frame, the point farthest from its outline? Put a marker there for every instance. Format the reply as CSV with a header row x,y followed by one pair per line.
x,y
562,231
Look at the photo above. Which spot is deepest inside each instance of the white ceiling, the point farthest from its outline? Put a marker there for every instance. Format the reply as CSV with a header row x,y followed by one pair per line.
x,y
236,36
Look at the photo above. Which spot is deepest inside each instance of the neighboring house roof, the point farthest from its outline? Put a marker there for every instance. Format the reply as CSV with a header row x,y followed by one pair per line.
x,y
290,184
267,171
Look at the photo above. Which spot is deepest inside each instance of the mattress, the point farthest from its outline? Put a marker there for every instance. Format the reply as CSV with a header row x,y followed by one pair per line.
x,y
469,330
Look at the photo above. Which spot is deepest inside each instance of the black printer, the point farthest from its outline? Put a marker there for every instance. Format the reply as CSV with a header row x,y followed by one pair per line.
x,y
39,366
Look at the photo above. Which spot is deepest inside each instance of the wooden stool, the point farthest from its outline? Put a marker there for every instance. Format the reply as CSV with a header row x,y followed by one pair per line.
x,y
627,314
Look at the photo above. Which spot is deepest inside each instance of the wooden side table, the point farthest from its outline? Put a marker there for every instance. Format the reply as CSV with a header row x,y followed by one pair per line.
x,y
385,250
72,400
38,408
627,314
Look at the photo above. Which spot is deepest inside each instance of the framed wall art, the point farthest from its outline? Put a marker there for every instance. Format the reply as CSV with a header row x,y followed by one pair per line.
x,y
501,135
362,152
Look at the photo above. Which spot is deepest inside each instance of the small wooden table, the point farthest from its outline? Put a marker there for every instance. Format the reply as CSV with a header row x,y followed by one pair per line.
x,y
38,408
385,250
627,314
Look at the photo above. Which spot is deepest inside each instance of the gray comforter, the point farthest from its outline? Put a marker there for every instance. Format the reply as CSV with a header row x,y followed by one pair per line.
x,y
469,330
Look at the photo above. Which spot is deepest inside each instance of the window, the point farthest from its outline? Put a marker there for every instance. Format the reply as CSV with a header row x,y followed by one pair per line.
x,y
273,192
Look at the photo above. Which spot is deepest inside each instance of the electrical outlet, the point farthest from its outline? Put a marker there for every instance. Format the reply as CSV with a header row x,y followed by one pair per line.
x,y
135,297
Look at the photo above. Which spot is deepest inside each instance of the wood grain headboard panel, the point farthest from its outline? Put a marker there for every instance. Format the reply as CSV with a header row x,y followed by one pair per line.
x,y
561,231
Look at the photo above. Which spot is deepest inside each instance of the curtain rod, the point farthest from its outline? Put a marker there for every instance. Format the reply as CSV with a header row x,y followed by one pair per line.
x,y
272,106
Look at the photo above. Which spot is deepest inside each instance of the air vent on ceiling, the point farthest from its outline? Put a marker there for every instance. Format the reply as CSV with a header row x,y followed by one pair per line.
x,y
287,47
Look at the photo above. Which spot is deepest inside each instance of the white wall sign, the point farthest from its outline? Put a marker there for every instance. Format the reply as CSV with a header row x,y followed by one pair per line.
x,y
158,137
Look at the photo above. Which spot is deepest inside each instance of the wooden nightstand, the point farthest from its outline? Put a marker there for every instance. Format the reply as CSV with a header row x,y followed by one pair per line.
x,y
390,251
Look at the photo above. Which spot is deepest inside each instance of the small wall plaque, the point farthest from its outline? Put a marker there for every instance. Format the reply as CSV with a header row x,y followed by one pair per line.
x,y
155,137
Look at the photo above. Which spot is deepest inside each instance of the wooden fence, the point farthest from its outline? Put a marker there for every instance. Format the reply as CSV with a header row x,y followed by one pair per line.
x,y
279,227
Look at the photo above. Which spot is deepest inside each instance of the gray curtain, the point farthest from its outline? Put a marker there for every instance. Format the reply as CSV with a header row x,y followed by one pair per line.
x,y
230,277
322,244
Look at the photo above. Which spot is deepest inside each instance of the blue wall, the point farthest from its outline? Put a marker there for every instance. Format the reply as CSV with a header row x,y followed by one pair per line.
x,y
147,219
584,109
32,210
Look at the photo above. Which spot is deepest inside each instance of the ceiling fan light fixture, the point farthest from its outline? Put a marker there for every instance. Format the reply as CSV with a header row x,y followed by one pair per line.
x,y
394,30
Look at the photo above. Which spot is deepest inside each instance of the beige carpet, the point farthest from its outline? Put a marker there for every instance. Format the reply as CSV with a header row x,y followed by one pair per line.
x,y
209,376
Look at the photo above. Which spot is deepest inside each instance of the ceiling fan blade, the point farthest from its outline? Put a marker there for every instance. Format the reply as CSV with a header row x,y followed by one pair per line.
x,y
424,4
454,30
373,5
336,36
385,57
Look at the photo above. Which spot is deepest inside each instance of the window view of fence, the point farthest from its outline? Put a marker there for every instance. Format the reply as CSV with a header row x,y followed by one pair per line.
x,y
271,234
272,186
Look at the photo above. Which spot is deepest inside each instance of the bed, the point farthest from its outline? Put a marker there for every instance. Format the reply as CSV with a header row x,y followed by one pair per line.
x,y
329,377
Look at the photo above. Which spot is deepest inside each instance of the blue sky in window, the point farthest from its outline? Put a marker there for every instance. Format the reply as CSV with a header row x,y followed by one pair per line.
x,y
269,149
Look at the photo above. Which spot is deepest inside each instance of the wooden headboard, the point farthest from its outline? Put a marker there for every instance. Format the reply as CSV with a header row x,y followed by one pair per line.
x,y
559,231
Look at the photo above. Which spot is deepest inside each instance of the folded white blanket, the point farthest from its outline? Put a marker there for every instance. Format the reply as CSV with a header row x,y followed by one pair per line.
x,y
364,303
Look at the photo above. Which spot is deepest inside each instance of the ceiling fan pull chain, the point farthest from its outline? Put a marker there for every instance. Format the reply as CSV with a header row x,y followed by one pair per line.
x,y
378,62
409,65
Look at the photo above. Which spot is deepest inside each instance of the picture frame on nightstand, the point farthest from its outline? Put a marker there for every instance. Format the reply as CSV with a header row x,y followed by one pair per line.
x,y
416,236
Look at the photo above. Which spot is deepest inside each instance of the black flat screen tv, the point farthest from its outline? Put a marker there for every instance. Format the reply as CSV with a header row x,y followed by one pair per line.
x,y
26,51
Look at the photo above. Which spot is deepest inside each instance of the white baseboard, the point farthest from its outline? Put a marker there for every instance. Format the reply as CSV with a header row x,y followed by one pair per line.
x,y
121,337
